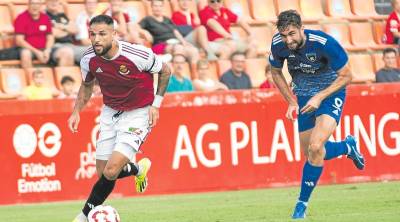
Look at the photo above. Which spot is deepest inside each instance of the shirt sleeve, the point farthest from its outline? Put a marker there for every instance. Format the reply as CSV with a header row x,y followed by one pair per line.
x,y
19,25
232,17
87,76
336,55
150,62
274,58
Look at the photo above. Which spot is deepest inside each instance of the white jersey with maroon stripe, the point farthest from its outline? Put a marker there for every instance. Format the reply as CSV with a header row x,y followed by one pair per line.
x,y
126,80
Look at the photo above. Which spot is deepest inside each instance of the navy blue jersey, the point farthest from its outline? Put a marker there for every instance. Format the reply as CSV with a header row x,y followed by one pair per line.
x,y
314,66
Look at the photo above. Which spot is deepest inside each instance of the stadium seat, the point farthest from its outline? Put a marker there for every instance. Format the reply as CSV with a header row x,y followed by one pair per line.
x,y
6,22
135,10
362,68
213,68
263,37
256,70
263,10
340,9
362,36
167,8
377,59
378,28
223,65
74,10
12,80
313,26
49,76
365,8
240,8
340,31
312,10
73,71
4,2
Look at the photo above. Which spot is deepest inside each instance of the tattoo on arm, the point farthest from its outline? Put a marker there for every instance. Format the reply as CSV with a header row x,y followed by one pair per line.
x,y
163,80
84,94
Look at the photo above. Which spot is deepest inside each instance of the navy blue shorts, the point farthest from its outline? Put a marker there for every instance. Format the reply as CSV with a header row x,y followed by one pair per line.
x,y
332,106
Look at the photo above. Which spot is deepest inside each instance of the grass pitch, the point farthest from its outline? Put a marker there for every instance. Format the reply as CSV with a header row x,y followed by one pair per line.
x,y
351,202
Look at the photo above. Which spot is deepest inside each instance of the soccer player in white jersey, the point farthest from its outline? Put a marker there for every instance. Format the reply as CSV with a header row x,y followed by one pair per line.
x,y
318,66
125,75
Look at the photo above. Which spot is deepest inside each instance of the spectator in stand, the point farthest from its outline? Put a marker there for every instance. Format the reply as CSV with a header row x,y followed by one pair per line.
x,y
164,35
188,24
204,82
34,36
63,31
392,30
178,82
7,96
37,90
269,82
67,88
82,22
236,78
127,30
218,20
390,72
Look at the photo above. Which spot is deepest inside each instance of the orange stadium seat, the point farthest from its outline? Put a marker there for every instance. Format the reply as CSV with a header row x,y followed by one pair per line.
x,y
6,22
74,10
263,37
240,8
378,28
167,8
340,31
135,10
365,8
49,76
362,36
312,9
12,80
4,2
256,70
263,10
313,26
213,68
362,68
377,58
73,71
340,9
223,66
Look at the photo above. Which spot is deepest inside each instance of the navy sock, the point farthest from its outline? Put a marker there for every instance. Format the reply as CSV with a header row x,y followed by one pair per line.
x,y
129,170
335,149
101,189
310,179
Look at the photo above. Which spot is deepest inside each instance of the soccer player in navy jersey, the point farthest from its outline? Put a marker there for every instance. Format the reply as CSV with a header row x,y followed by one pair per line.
x,y
319,70
124,72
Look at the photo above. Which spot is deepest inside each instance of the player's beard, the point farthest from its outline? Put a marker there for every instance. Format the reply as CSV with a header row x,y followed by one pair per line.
x,y
105,50
299,44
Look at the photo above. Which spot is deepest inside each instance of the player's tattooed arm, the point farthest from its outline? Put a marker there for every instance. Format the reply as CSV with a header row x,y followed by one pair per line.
x,y
84,94
163,80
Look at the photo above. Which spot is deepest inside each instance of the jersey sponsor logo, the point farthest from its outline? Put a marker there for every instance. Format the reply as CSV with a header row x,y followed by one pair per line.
x,y
123,70
98,70
292,56
312,57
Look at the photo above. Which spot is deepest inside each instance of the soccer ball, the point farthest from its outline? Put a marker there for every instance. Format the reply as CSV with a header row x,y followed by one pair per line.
x,y
103,213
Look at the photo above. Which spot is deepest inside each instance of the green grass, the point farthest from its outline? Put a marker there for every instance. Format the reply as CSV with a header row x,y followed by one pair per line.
x,y
352,202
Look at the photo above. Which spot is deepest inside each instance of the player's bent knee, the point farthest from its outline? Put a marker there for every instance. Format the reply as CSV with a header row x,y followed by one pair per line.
x,y
111,172
315,150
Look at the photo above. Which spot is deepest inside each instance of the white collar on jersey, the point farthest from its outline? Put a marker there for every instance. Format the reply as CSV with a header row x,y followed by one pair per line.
x,y
118,52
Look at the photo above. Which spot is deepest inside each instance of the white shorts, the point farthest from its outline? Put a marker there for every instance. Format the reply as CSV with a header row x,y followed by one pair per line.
x,y
124,133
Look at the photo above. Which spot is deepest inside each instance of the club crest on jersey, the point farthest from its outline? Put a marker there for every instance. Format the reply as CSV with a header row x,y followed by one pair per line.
x,y
312,57
123,70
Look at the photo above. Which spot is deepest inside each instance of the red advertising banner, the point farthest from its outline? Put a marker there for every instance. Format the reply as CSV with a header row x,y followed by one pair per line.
x,y
203,142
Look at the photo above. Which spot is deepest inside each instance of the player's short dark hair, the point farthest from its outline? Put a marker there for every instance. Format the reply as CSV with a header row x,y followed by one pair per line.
x,y
236,54
105,19
66,79
287,18
389,50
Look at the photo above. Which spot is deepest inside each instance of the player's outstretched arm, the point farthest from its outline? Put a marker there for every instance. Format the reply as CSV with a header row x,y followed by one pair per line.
x,y
84,94
283,87
163,80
